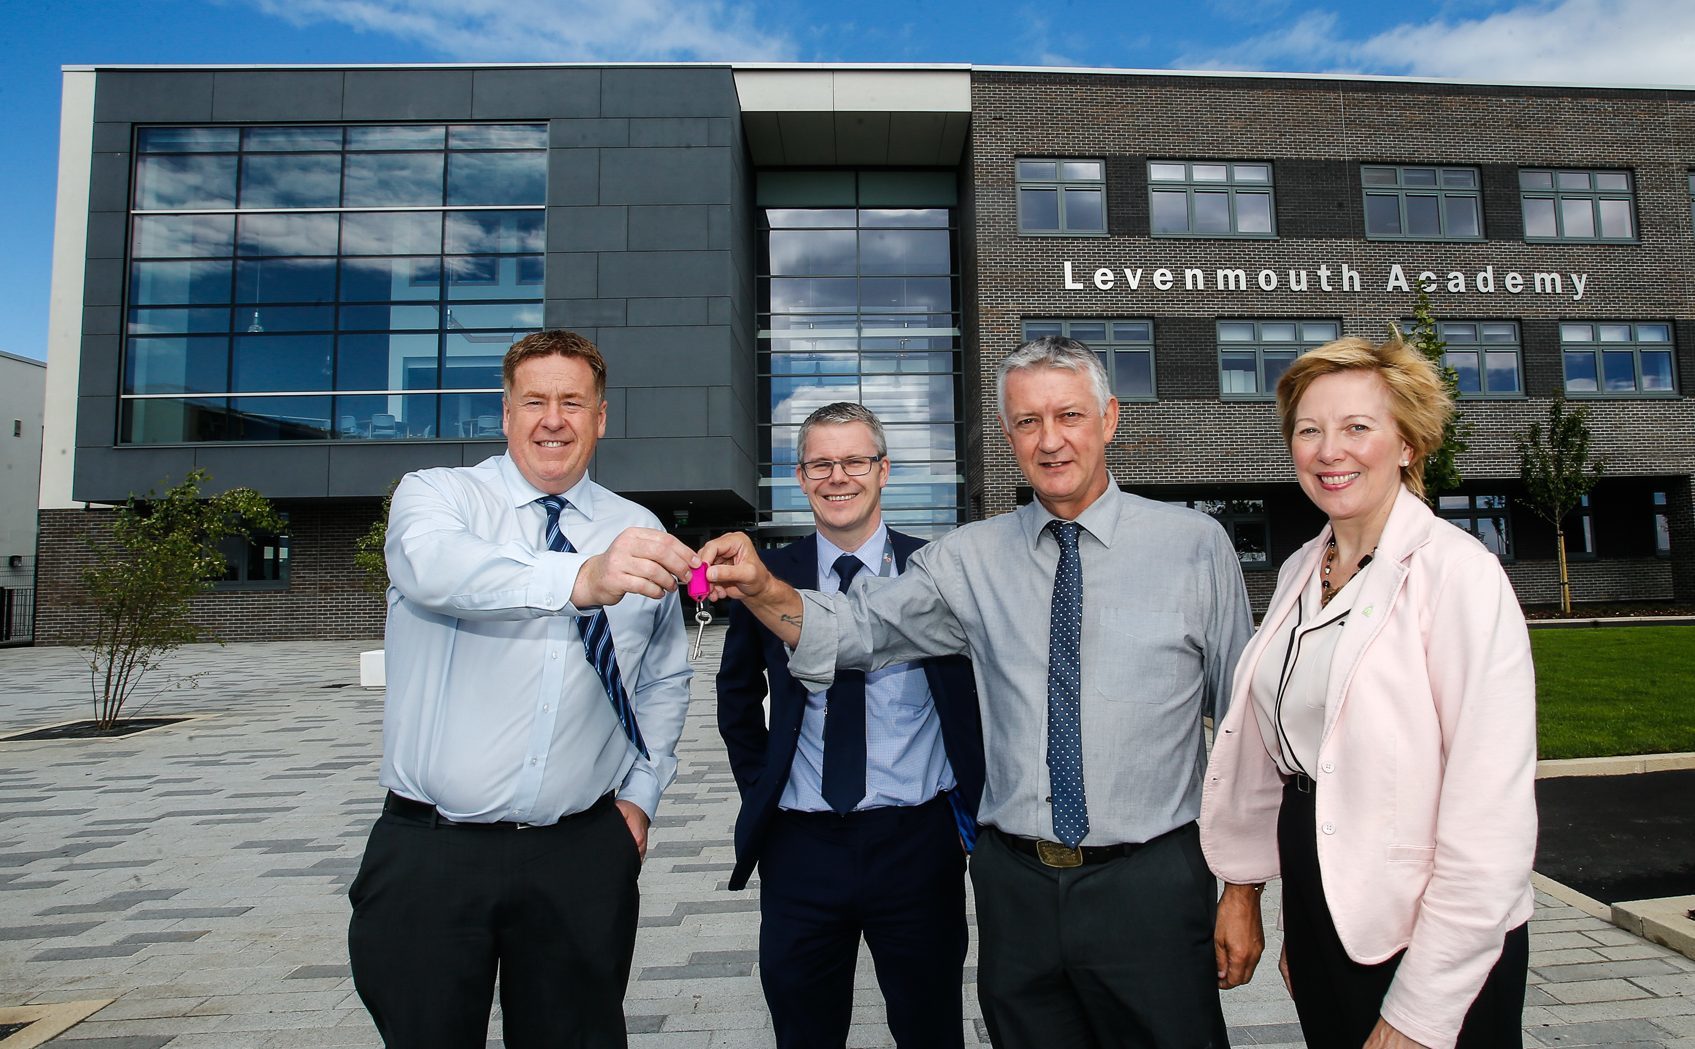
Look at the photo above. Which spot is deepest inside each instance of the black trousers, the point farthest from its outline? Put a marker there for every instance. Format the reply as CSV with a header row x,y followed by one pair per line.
x,y
438,909
1106,955
1337,998
894,875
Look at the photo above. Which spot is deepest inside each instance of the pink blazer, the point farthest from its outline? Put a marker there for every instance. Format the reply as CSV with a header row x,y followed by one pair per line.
x,y
1426,768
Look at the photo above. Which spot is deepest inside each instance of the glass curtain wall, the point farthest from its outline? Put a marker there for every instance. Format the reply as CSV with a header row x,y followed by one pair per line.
x,y
329,283
859,301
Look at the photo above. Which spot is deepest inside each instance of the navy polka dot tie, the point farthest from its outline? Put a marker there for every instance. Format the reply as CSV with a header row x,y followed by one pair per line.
x,y
597,634
844,722
1065,691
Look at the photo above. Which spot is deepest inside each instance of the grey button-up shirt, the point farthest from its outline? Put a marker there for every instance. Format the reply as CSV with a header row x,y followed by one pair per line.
x,y
1165,616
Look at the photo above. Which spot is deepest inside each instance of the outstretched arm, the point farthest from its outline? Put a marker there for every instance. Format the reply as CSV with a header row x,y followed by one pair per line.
x,y
737,572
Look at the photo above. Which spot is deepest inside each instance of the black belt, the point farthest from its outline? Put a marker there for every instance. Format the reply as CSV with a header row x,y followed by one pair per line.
x,y
1053,854
423,812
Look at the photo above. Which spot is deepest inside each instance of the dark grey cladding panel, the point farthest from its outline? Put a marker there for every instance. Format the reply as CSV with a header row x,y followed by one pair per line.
x,y
138,95
97,422
107,231
108,182
111,475
276,471
98,368
665,411
674,464
721,131
614,413
722,418
670,227
102,320
664,274
672,356
577,314
721,227
103,282
407,94
589,228
588,132
112,136
572,275
573,177
260,95
530,94
664,175
668,93
671,131
370,467
651,312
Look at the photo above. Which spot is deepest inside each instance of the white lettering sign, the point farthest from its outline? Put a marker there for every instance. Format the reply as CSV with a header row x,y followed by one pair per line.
x,y
1340,277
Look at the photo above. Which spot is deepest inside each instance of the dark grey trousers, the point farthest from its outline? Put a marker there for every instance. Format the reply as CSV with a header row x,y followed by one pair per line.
x,y
1115,954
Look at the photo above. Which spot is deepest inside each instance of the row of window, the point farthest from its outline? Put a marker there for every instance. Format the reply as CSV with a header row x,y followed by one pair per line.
x,y
1400,201
1600,358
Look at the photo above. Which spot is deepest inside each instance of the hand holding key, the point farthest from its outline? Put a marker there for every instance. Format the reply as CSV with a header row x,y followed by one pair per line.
x,y
699,587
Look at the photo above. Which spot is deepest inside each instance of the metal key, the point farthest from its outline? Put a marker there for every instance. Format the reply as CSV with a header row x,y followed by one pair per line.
x,y
699,587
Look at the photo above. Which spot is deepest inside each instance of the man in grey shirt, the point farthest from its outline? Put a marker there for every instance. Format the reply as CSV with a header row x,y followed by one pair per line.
x,y
1102,627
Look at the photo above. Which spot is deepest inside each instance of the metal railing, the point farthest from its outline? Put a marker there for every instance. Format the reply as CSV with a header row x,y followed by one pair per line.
x,y
17,613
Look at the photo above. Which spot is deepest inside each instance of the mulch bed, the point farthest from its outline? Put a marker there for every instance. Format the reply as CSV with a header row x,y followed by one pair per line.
x,y
1610,610
88,730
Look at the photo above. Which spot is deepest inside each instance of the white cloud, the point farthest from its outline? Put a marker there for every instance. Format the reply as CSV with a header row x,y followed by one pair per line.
x,y
554,30
1571,41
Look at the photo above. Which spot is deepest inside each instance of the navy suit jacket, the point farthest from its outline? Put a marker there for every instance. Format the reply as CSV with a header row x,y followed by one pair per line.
x,y
761,757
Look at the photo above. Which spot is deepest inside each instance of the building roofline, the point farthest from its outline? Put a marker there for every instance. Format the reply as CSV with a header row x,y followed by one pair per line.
x,y
1375,78
25,360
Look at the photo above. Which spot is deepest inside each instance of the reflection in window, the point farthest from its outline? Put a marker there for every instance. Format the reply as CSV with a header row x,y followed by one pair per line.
x,y
1484,516
1062,196
1125,348
329,282
1577,205
1210,199
1246,522
1253,355
1485,355
259,563
1617,359
859,302
1422,203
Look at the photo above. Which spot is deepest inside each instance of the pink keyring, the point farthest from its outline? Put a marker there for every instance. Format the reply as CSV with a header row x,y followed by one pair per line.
x,y
699,586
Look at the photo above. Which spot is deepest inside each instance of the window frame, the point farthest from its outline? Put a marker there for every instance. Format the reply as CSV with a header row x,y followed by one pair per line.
x,y
1660,502
1401,191
1460,518
1595,347
1059,184
1231,188
1106,350
239,565
1260,345
1483,348
1583,528
1592,194
1231,519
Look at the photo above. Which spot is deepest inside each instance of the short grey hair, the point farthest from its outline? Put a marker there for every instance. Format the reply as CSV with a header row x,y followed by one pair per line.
x,y
1053,351
837,414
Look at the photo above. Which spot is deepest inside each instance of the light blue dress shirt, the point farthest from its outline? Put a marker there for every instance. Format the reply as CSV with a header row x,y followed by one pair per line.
x,y
906,762
493,712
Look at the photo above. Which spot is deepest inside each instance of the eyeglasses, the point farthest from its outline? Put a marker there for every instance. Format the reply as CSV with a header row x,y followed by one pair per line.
x,y
856,466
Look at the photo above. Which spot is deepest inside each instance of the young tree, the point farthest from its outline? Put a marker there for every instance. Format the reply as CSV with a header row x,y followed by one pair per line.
x,y
161,551
368,548
1557,472
1441,467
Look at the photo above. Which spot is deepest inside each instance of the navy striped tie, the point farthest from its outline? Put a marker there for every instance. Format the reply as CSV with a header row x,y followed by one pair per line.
x,y
597,634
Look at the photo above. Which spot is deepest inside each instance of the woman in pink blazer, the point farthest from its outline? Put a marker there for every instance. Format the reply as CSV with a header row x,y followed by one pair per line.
x,y
1379,752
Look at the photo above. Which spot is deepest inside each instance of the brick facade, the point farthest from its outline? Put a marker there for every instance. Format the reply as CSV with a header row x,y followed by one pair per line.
x,y
1316,133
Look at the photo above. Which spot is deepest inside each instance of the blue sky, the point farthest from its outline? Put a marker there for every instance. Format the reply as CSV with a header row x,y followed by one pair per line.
x,y
1583,41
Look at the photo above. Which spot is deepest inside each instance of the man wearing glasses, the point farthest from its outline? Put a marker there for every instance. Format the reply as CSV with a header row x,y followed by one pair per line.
x,y
859,802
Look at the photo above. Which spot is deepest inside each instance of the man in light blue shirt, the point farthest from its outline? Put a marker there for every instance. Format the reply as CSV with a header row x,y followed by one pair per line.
x,y
857,805
537,683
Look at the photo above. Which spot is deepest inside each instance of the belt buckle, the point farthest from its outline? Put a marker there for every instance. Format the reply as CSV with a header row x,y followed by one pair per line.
x,y
1053,854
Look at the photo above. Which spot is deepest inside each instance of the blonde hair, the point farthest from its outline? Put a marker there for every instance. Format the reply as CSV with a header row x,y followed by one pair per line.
x,y
1418,400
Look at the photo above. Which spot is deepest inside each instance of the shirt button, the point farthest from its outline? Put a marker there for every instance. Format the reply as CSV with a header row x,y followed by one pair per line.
x,y
1328,766
545,708
1328,828
553,654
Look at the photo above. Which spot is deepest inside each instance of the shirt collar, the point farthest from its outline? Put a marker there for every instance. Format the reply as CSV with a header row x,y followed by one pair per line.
x,y
520,491
870,552
1100,518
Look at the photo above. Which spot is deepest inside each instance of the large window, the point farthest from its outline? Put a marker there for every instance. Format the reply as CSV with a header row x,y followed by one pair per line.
x,y
1617,359
1062,196
330,282
859,302
1126,349
1253,355
260,563
1662,525
1562,204
1484,516
1246,522
1487,357
1206,198
1421,203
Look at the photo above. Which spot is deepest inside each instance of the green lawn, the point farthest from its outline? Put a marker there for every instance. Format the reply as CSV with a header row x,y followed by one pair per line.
x,y
1614,690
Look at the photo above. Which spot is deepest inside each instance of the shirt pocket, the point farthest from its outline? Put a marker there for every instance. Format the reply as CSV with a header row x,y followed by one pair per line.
x,y
1143,655
1415,855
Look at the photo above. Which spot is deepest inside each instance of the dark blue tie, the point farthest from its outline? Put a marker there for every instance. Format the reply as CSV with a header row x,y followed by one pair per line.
x,y
1065,691
844,722
597,634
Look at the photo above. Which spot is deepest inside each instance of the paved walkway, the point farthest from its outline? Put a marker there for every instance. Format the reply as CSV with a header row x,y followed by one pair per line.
x,y
197,874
